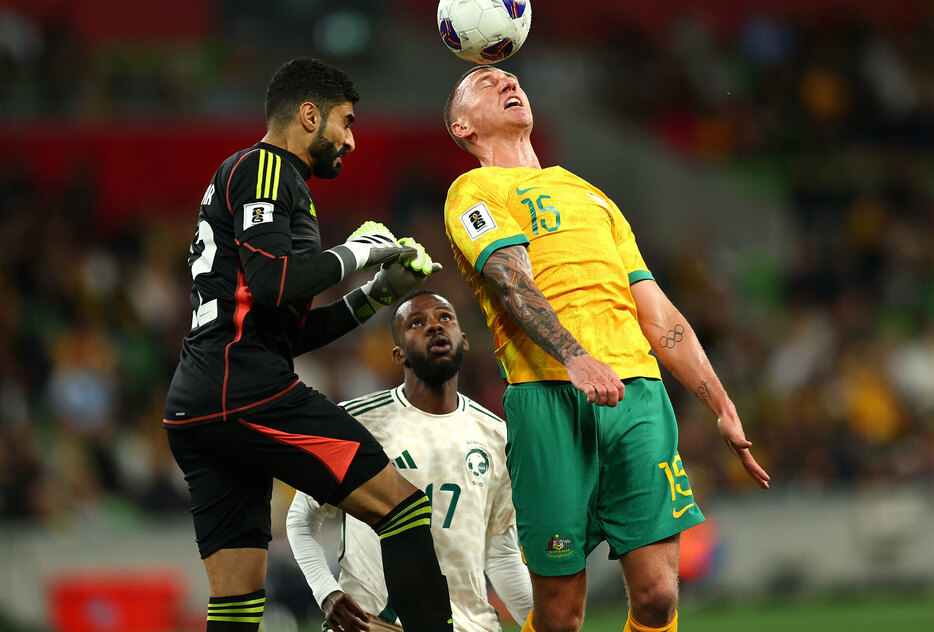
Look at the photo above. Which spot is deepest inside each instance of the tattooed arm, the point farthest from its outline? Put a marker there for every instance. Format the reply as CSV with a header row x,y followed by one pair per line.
x,y
509,272
674,342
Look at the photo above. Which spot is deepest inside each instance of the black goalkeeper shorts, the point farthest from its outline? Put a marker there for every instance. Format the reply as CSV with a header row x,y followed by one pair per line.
x,y
302,438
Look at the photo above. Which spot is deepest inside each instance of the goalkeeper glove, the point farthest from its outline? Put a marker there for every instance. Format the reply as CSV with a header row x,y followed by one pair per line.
x,y
421,262
370,245
392,282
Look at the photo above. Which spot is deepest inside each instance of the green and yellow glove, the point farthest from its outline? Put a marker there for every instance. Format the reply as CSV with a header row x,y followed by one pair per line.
x,y
371,244
392,282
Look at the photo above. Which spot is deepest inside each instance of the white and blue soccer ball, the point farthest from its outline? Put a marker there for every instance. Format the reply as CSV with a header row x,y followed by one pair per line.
x,y
484,31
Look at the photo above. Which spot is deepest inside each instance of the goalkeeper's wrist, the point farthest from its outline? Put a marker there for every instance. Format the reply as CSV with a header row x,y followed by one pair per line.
x,y
361,306
352,257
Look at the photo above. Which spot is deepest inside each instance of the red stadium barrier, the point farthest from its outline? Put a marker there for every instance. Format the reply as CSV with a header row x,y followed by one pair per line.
x,y
164,166
116,601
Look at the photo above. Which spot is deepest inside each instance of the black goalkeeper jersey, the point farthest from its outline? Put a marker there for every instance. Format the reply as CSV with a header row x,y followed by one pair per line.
x,y
256,264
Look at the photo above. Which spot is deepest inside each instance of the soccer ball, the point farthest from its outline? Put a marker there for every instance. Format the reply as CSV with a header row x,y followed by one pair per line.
x,y
484,31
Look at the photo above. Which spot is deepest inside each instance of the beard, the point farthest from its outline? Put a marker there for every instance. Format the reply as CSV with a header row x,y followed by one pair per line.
x,y
437,371
324,157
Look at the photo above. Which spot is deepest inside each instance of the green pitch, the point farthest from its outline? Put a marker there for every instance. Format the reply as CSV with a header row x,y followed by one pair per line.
x,y
848,614
854,613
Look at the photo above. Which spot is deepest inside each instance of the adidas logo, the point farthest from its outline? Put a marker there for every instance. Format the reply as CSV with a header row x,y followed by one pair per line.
x,y
405,461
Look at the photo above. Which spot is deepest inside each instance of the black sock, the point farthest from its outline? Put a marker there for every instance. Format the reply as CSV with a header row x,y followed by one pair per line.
x,y
238,613
417,589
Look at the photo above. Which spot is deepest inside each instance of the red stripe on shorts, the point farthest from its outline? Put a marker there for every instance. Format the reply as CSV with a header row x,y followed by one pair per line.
x,y
334,454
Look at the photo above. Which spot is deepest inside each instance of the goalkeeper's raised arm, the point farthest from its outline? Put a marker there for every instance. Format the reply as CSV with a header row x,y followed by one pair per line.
x,y
390,283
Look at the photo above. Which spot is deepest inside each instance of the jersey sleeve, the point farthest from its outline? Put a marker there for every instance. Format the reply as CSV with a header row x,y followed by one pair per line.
x,y
502,511
477,219
508,574
303,528
628,249
322,325
260,202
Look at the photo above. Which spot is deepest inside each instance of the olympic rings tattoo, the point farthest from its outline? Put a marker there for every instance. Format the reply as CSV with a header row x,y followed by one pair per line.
x,y
673,337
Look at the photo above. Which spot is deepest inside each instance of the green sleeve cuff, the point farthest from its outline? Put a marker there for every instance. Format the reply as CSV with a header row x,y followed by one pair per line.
x,y
515,240
640,275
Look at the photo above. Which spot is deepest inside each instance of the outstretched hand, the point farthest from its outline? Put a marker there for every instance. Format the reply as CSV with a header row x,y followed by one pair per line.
x,y
731,431
344,614
421,262
373,244
394,281
595,379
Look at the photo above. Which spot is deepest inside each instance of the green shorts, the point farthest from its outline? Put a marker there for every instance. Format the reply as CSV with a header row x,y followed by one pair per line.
x,y
583,473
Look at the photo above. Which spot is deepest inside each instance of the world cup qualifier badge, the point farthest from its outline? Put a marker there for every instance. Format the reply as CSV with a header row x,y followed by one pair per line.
x,y
558,547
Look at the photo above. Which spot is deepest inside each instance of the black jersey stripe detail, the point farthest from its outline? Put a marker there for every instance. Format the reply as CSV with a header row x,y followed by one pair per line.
x,y
285,263
275,183
230,178
182,422
260,173
256,250
244,303
267,179
481,409
267,175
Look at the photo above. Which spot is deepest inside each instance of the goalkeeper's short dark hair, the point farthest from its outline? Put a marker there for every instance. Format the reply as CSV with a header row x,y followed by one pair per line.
x,y
306,79
393,325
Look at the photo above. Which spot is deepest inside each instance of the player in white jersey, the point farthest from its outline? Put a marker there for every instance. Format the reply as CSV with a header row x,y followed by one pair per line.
x,y
449,446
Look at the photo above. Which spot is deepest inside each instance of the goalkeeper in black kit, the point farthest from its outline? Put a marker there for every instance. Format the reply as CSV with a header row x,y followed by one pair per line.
x,y
236,414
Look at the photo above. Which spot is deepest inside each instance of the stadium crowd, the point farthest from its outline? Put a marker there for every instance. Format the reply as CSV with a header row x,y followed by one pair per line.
x,y
830,348
828,352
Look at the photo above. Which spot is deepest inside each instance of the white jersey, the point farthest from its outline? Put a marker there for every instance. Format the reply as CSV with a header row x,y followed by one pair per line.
x,y
458,459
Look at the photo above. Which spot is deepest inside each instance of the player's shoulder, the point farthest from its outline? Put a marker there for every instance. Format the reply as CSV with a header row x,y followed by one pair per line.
x,y
369,402
236,163
592,190
468,177
263,169
239,171
482,415
483,180
489,186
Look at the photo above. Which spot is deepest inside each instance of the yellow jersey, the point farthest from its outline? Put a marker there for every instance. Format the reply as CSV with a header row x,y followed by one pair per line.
x,y
584,258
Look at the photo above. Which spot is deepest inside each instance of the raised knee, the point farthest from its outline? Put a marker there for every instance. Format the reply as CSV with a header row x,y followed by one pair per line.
x,y
654,604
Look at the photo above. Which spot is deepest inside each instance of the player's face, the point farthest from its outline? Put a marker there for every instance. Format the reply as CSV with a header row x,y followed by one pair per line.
x,y
493,100
432,343
333,141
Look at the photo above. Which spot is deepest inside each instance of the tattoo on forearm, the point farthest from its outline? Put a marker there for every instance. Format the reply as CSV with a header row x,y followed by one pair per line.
x,y
703,393
673,337
509,271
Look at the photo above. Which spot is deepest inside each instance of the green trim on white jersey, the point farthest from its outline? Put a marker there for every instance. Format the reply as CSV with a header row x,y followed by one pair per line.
x,y
460,462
